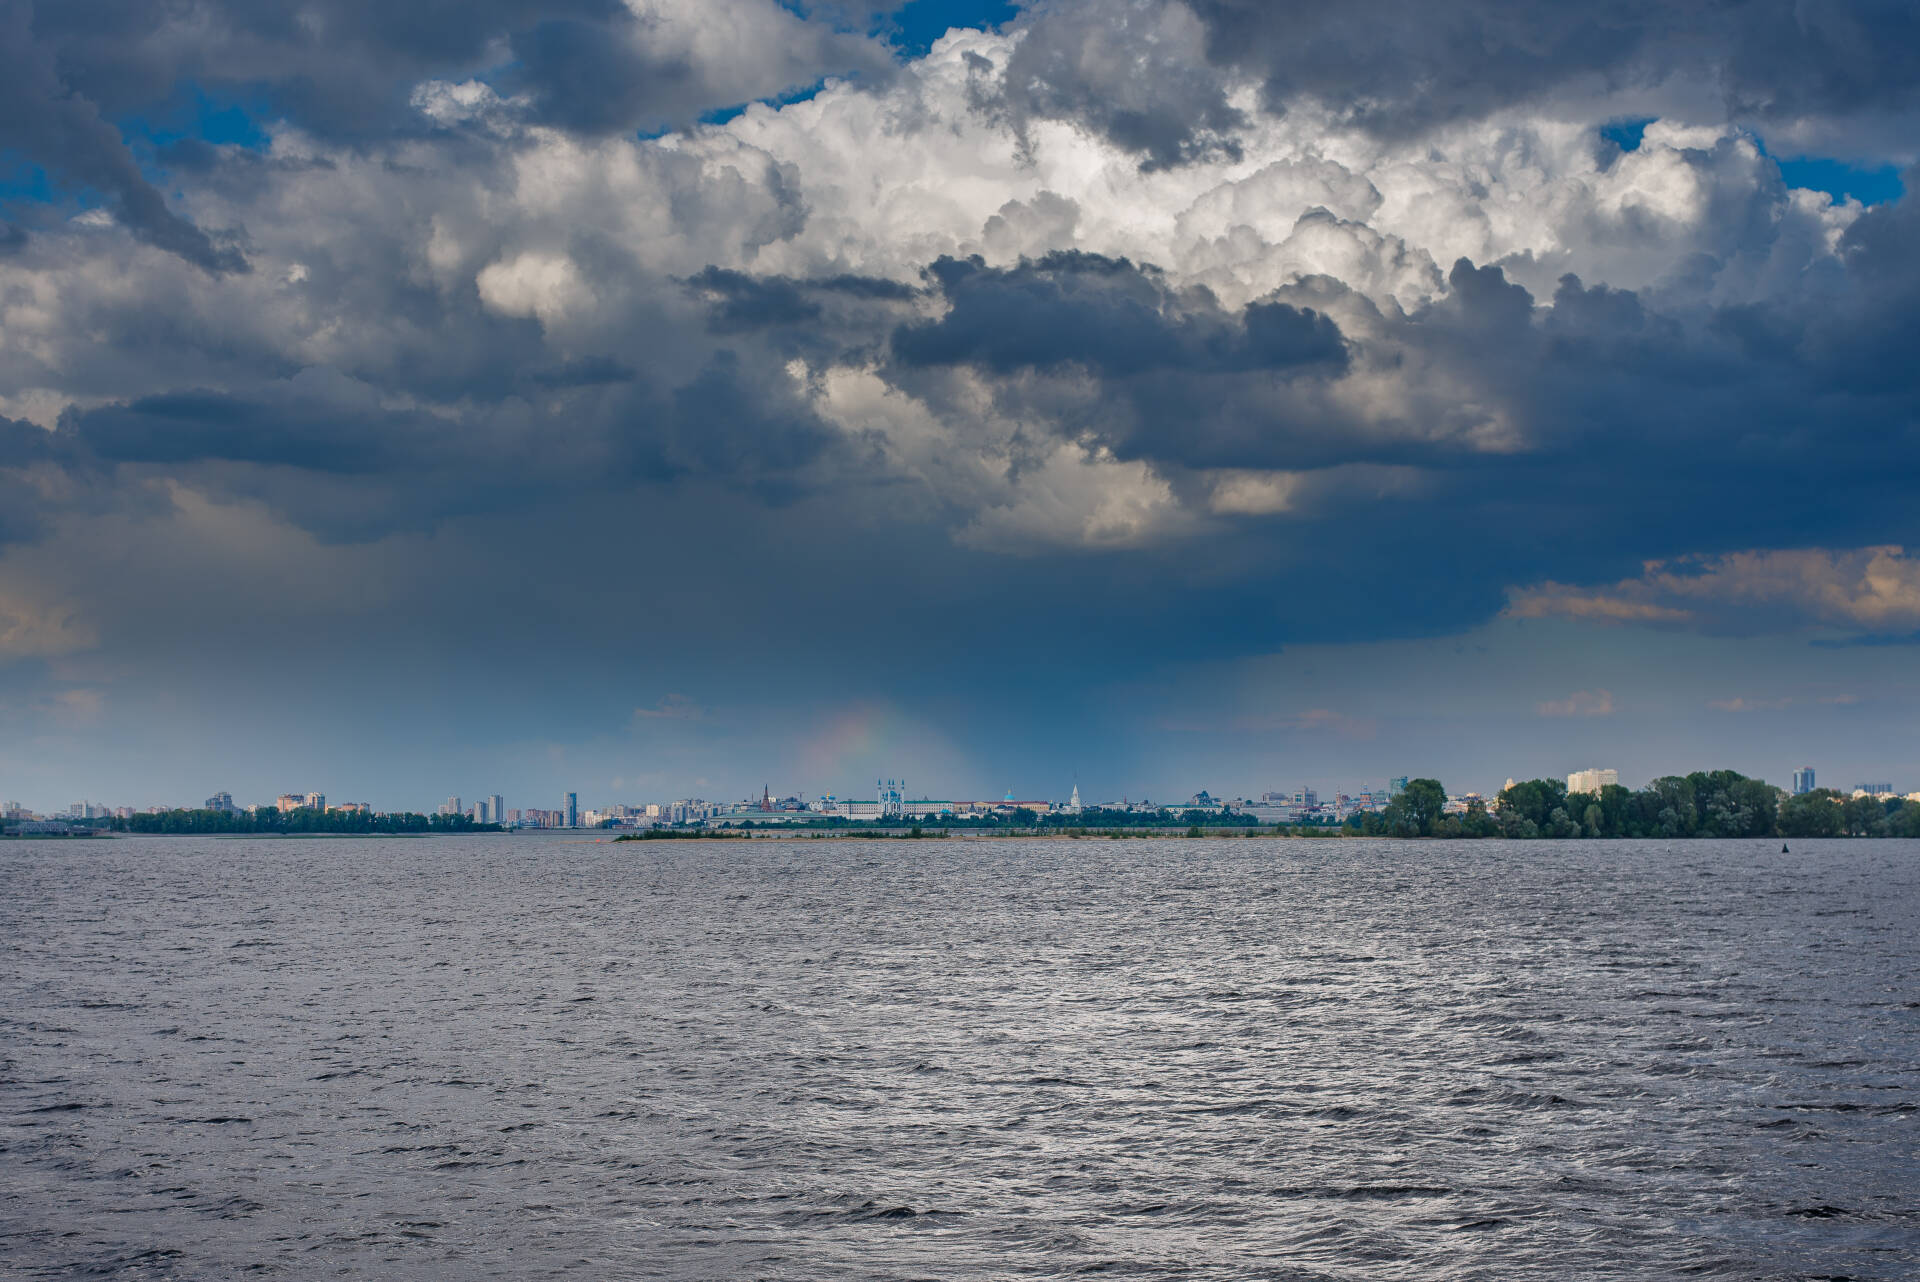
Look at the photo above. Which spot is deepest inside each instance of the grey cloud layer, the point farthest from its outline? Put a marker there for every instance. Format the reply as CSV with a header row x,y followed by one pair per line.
x,y
347,70
1400,67
1336,385
1109,316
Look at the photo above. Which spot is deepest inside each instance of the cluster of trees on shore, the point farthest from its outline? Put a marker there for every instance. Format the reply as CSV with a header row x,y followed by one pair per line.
x,y
1706,803
303,820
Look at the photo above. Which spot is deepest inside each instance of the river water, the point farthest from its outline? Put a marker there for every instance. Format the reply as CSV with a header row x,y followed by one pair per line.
x,y
526,1057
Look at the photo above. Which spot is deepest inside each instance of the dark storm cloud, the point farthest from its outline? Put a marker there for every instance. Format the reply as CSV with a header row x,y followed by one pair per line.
x,y
345,68
1639,429
587,371
1648,432
189,427
1176,378
24,506
608,76
61,130
322,452
22,444
582,80
1840,57
326,454
1636,423
1875,350
741,421
1876,640
1106,314
73,73
1128,72
1398,67
340,68
1574,440
742,302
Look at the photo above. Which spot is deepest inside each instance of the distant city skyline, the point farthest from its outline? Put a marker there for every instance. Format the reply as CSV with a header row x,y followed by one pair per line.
x,y
491,807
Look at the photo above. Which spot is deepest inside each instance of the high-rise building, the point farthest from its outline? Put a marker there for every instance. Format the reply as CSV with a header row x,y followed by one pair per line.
x,y
316,801
498,809
1803,781
220,801
289,802
1874,789
1592,781
1396,786
573,810
451,806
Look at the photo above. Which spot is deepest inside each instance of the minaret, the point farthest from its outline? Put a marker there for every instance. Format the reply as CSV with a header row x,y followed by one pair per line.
x,y
1073,802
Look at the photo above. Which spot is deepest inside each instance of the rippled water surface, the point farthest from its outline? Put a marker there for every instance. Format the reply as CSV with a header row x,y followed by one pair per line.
x,y
523,1057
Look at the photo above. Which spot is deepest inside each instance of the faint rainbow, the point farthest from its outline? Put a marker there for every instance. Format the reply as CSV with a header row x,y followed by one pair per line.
x,y
839,754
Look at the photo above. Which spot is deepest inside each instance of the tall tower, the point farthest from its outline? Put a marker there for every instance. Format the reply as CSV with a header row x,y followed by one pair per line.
x,y
573,810
892,797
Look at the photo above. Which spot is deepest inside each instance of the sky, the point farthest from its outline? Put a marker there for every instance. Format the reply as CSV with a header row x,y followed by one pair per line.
x,y
663,398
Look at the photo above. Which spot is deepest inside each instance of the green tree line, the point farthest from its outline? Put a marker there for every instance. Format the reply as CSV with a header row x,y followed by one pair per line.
x,y
1706,803
302,820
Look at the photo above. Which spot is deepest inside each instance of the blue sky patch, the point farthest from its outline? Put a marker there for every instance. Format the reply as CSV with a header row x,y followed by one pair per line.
x,y
912,29
21,179
1875,186
1626,134
193,113
915,26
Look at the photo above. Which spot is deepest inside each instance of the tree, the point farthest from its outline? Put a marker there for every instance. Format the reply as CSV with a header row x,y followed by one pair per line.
x,y
1477,822
1729,804
1532,802
1616,809
1860,814
1415,809
1812,814
1674,812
